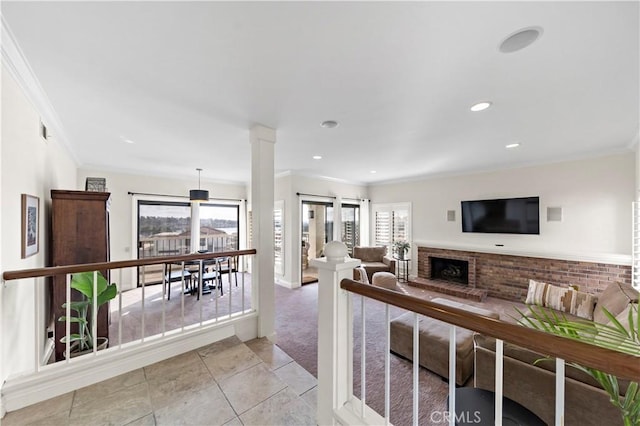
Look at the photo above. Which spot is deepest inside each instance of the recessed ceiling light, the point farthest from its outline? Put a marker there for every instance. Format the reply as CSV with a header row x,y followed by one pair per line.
x,y
520,39
329,124
128,140
512,145
480,106
373,172
317,157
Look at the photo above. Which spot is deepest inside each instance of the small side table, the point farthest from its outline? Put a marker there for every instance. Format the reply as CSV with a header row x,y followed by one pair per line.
x,y
403,269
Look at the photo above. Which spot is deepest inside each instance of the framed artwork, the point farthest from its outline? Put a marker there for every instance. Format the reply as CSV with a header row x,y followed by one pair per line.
x,y
95,184
30,225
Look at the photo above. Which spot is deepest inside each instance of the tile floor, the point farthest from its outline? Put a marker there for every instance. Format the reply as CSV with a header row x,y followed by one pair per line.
x,y
225,383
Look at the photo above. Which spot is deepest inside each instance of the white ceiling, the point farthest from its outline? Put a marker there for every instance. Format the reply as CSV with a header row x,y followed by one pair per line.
x,y
187,80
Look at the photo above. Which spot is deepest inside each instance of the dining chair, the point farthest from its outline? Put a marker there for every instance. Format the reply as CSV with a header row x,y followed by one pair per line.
x,y
228,265
210,277
170,276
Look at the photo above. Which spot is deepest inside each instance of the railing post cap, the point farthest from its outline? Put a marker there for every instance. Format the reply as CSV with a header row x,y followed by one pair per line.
x,y
336,251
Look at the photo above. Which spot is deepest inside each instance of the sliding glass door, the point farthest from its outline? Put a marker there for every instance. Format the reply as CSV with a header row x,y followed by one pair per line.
x,y
350,226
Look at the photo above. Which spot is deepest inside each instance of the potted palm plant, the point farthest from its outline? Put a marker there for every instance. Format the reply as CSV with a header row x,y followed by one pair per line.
x,y
82,341
401,248
623,336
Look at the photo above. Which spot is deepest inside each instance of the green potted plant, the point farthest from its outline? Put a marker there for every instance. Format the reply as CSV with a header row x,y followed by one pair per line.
x,y
401,247
82,341
622,336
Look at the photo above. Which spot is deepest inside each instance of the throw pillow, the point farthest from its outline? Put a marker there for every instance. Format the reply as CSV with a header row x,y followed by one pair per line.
x,y
623,317
536,293
614,299
561,299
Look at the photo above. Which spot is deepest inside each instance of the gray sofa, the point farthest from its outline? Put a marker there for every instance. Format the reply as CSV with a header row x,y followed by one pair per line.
x,y
533,386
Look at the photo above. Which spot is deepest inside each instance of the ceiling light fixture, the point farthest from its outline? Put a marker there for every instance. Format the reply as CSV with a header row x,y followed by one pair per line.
x,y
480,106
317,157
373,172
128,141
512,145
329,124
520,39
199,194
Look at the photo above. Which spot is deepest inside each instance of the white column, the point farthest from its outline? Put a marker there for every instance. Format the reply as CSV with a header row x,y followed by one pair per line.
x,y
335,335
195,226
263,141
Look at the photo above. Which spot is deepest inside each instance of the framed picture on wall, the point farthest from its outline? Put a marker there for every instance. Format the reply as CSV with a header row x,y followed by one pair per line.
x,y
30,225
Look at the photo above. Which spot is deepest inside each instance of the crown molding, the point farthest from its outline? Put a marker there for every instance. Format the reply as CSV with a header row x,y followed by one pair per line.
x,y
513,166
16,63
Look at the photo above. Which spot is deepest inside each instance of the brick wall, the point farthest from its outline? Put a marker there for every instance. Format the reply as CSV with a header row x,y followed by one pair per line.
x,y
507,277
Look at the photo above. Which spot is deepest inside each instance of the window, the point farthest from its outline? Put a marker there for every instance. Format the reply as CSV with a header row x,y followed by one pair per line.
x,y
391,222
164,229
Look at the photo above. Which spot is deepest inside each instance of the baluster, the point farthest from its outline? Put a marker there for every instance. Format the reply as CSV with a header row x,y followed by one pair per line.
x,y
68,321
452,374
37,296
120,308
94,313
387,367
242,275
363,358
498,386
560,391
416,365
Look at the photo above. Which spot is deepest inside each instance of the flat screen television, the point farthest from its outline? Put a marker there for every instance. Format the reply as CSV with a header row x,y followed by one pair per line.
x,y
502,216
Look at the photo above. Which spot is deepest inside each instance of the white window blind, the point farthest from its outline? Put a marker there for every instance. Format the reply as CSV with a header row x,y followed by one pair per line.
x,y
391,222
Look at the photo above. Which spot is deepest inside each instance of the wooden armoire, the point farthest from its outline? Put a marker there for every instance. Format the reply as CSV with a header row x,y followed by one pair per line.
x,y
79,234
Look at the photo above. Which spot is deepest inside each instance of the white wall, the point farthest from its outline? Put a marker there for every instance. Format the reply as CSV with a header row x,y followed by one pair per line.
x,y
595,196
29,165
286,188
121,211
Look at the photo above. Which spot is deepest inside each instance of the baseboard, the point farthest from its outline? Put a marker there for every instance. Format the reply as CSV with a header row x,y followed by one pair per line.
x,y
57,379
284,283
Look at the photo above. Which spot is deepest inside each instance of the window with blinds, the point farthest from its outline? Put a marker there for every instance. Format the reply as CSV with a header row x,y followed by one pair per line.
x,y
391,222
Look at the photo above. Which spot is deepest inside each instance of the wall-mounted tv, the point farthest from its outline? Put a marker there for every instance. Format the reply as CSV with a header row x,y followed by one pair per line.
x,y
502,216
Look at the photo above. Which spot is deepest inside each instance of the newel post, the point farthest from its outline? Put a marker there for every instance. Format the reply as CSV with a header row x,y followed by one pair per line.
x,y
335,331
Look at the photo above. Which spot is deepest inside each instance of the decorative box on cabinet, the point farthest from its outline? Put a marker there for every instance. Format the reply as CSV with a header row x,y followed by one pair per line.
x,y
79,234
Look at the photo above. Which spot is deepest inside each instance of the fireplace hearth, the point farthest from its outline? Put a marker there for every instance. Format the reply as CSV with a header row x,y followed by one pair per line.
x,y
451,270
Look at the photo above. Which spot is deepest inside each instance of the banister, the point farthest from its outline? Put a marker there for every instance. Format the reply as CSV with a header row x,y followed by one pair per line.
x,y
99,266
619,364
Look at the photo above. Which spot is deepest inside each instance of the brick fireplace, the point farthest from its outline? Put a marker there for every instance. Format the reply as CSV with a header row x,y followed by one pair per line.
x,y
507,276
442,265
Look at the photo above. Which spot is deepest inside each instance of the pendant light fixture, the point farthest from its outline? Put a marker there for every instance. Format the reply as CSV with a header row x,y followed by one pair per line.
x,y
199,194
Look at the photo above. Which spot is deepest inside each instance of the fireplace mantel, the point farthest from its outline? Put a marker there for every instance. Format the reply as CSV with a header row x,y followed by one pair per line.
x,y
509,250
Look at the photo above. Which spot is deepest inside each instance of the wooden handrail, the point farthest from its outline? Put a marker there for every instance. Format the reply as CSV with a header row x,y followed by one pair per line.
x,y
100,266
619,364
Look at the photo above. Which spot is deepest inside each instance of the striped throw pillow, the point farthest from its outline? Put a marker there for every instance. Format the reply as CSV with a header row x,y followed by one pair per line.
x,y
562,299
